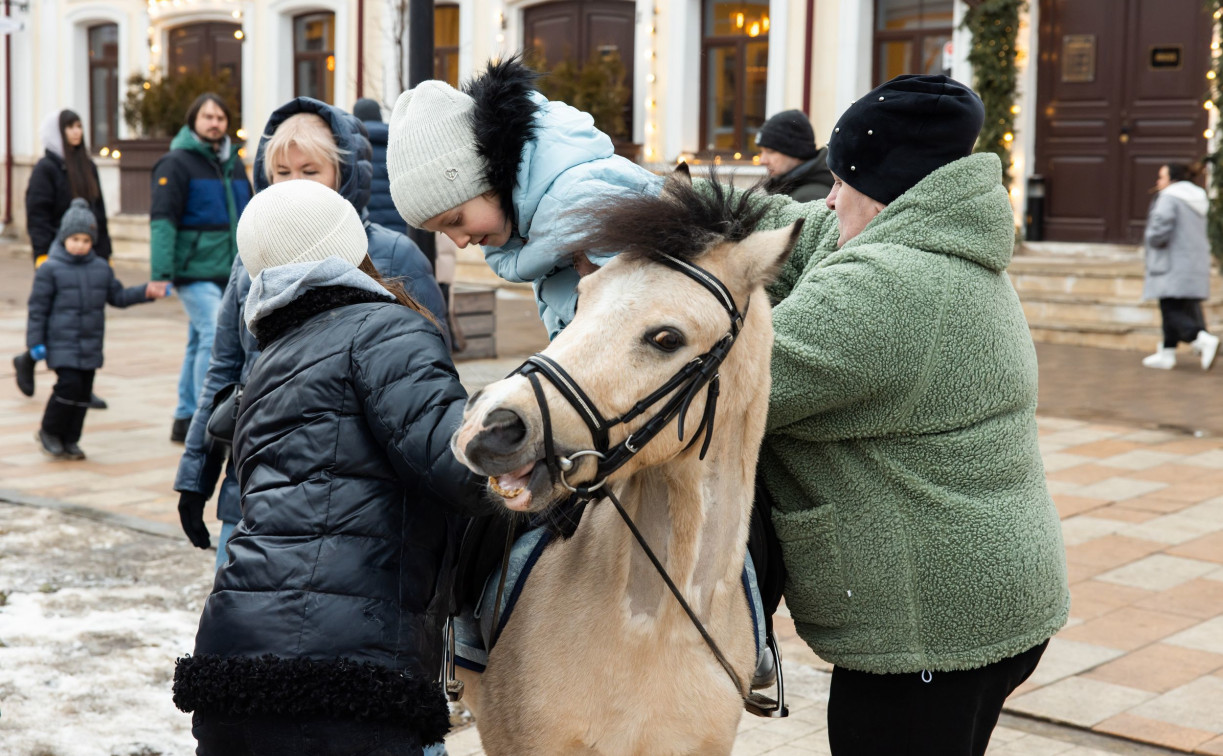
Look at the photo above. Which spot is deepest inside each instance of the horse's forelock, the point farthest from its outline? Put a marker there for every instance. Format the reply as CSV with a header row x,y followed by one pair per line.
x,y
684,221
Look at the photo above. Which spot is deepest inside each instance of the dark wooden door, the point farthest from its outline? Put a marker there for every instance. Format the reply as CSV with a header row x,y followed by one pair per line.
x,y
212,47
1120,92
577,29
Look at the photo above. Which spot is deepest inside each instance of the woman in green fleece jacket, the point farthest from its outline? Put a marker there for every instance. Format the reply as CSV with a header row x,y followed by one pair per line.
x,y
924,553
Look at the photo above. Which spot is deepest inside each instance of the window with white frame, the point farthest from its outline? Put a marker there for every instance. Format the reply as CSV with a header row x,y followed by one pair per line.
x,y
314,56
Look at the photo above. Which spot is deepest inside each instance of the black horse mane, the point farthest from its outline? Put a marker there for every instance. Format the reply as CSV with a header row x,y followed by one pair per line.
x,y
682,222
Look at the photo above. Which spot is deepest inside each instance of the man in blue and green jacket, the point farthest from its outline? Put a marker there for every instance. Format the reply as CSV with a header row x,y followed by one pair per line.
x,y
924,553
199,190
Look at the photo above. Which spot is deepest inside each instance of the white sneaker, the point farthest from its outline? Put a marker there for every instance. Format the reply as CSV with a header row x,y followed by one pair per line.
x,y
1164,359
1206,345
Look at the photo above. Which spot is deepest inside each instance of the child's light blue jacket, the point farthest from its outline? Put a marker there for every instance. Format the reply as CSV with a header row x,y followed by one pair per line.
x,y
568,164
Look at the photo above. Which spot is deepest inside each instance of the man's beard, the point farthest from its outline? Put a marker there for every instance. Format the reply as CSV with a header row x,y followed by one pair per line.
x,y
209,140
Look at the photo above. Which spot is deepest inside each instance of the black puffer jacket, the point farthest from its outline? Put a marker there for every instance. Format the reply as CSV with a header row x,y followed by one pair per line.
x,y
47,197
336,588
67,307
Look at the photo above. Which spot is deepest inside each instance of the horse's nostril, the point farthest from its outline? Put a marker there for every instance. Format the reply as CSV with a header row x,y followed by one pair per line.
x,y
505,429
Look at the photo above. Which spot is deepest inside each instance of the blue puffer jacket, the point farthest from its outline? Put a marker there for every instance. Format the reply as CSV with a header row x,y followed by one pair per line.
x,y
67,307
567,164
234,350
381,207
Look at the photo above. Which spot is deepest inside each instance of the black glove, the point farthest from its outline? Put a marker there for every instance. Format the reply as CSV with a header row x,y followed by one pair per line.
x,y
191,514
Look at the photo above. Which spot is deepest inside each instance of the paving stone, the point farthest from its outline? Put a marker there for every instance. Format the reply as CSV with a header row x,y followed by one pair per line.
x,y
1102,449
1208,547
1112,550
1060,461
1092,598
1201,598
1206,636
1122,512
1178,527
1120,488
1083,474
1158,572
1154,731
1128,628
1212,459
1171,473
1159,667
1198,704
1064,658
1138,459
1069,506
1084,528
1079,701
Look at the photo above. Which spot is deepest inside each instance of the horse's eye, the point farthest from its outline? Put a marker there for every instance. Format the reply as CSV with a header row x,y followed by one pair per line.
x,y
666,339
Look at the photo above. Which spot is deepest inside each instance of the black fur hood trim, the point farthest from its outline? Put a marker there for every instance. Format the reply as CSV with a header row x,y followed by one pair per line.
x,y
342,689
278,322
503,122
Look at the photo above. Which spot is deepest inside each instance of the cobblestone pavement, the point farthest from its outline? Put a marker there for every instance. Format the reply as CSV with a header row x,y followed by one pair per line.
x,y
1140,662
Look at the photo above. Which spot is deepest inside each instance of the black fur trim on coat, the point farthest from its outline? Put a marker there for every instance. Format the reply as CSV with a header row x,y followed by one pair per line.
x,y
341,689
503,122
276,323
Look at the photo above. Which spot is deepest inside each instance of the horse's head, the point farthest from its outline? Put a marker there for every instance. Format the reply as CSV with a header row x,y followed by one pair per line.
x,y
642,321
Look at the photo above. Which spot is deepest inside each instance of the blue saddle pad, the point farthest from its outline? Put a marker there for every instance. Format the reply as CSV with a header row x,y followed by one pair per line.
x,y
474,634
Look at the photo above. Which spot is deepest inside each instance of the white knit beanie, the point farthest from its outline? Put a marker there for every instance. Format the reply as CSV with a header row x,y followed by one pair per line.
x,y
431,155
299,221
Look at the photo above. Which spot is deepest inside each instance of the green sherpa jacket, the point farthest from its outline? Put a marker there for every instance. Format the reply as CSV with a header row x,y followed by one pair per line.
x,y
901,447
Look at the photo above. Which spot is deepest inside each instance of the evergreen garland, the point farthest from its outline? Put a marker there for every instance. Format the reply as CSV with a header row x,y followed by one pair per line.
x,y
994,25
1214,158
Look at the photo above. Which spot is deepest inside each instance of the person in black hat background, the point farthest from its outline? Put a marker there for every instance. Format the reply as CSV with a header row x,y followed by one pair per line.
x,y
788,152
923,550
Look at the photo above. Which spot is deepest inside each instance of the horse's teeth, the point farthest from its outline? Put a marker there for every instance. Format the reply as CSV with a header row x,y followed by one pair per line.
x,y
510,494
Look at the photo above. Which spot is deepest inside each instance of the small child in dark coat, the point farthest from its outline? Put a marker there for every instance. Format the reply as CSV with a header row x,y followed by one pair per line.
x,y
66,323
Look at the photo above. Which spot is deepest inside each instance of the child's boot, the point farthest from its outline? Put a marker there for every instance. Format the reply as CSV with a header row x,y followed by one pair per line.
x,y
72,451
52,446
23,364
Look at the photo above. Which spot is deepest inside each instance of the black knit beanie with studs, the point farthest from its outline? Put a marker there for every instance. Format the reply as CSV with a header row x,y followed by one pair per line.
x,y
902,131
790,133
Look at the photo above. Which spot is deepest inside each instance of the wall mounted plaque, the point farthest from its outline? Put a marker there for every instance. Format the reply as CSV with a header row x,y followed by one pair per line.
x,y
1166,57
1079,58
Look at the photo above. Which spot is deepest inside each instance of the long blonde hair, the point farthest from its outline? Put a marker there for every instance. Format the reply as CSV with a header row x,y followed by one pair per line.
x,y
312,136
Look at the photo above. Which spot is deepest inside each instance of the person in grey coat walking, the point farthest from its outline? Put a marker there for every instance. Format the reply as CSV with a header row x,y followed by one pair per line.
x,y
1178,266
67,320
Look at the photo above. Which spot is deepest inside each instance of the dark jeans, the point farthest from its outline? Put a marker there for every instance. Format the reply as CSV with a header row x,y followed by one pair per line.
x,y
922,713
280,736
1182,319
65,415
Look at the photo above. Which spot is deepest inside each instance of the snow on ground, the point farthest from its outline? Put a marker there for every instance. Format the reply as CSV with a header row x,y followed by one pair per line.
x,y
92,617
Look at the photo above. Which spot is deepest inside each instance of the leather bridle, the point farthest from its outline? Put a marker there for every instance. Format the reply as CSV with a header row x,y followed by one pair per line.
x,y
700,373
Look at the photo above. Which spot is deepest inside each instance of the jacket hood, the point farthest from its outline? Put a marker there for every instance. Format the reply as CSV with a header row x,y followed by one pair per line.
x,y
52,139
504,120
961,209
276,287
186,139
356,155
1191,194
61,253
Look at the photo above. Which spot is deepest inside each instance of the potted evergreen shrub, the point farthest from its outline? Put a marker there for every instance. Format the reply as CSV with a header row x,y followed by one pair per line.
x,y
155,108
597,87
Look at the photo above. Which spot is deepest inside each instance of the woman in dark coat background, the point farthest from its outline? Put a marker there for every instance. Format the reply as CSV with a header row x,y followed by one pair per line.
x,y
323,632
65,172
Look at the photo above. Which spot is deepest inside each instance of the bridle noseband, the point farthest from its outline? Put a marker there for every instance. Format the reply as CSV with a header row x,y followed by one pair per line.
x,y
699,373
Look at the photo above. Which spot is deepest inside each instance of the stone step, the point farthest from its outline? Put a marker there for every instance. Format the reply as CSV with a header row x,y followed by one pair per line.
x,y
1121,311
1131,337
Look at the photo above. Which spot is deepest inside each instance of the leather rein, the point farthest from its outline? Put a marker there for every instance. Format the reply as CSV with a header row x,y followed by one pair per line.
x,y
687,383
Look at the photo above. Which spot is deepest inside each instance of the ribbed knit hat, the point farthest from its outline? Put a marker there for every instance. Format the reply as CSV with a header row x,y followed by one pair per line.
x,y
790,133
299,221
78,219
431,155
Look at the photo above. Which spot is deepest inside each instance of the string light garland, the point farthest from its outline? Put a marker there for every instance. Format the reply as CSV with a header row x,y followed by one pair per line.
x,y
994,25
1214,153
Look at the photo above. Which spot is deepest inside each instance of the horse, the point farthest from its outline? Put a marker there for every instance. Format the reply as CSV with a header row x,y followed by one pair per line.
x,y
599,657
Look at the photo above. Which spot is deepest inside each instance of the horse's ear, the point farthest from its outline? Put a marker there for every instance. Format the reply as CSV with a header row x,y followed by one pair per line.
x,y
765,252
682,174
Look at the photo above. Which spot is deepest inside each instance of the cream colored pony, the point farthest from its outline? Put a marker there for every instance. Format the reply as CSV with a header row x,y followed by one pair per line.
x,y
598,657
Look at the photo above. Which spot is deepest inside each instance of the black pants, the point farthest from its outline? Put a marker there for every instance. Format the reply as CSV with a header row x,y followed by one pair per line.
x,y
280,736
65,415
922,713
1182,319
